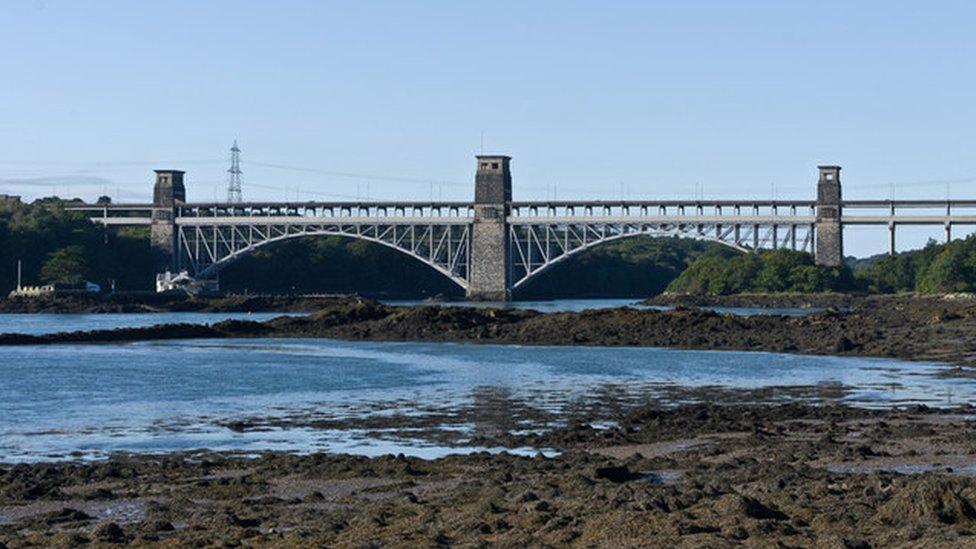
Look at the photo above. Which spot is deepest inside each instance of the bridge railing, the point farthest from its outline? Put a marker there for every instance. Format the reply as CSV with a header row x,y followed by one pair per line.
x,y
328,210
909,212
854,212
115,214
658,209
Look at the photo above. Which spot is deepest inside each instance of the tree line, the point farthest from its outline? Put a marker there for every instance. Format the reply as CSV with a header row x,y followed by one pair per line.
x,y
54,245
934,269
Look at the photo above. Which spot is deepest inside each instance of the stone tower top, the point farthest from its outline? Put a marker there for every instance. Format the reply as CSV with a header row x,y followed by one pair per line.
x,y
493,163
169,188
829,173
493,180
828,187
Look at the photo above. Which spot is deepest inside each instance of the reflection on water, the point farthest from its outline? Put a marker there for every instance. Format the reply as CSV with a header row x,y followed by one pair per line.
x,y
83,401
44,323
567,305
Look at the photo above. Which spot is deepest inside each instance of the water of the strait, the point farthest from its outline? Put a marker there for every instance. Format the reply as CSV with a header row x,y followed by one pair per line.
x,y
425,399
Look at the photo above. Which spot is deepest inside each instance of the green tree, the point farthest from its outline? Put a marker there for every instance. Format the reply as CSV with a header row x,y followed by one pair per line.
x,y
781,270
67,265
766,272
952,270
31,232
898,273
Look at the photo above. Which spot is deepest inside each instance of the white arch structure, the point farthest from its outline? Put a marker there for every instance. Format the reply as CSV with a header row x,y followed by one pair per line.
x,y
439,235
206,249
536,248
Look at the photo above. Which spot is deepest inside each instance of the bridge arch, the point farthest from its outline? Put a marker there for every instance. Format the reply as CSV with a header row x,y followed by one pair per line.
x,y
223,253
530,272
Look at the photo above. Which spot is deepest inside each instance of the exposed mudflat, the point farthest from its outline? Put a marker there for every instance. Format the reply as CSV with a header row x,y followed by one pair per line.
x,y
633,473
692,476
934,329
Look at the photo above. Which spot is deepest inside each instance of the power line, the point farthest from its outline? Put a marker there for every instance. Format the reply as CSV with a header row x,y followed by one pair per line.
x,y
106,162
317,193
928,183
597,190
354,175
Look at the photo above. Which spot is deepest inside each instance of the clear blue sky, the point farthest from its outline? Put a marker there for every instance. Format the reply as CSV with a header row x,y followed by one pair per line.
x,y
645,99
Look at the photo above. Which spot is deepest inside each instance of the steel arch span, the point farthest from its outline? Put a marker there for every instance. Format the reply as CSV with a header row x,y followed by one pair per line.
x,y
534,249
206,249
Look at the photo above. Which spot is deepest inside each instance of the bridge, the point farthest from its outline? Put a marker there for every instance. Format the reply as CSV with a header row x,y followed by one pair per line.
x,y
495,245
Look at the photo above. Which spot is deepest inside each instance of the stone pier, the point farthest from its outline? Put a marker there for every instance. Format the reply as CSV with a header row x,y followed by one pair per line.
x,y
829,231
167,193
489,270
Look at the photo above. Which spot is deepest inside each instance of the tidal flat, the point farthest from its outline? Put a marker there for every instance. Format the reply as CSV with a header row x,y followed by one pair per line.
x,y
835,441
703,475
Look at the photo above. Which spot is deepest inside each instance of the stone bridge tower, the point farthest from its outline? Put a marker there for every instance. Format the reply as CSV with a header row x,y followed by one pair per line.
x,y
489,272
168,192
830,231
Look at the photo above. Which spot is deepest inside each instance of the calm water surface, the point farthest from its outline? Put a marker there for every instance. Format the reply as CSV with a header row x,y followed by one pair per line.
x,y
53,323
87,401
560,305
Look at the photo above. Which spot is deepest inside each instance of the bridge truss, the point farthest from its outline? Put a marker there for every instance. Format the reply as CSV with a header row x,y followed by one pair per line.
x,y
210,236
535,248
205,248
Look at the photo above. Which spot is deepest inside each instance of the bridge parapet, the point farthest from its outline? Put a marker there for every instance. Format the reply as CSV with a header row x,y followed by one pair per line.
x,y
672,209
328,210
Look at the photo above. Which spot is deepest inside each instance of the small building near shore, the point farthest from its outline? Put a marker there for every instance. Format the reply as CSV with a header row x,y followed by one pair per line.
x,y
57,289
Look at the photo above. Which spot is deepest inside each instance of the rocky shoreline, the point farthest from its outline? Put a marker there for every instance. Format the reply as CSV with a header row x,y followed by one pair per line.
x,y
695,475
911,328
766,467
